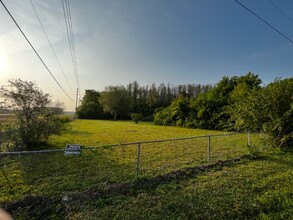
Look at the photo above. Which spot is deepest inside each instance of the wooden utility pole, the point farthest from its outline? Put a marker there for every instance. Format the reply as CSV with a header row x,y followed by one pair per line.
x,y
76,101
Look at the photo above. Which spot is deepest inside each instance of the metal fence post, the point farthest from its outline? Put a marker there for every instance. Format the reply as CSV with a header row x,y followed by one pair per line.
x,y
137,160
209,149
248,138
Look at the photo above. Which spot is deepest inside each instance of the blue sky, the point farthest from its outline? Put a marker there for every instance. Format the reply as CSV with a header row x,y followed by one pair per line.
x,y
169,41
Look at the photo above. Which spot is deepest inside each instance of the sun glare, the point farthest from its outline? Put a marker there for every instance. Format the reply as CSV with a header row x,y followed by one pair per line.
x,y
2,62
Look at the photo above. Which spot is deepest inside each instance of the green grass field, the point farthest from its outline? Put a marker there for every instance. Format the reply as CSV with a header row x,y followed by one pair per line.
x,y
175,180
94,133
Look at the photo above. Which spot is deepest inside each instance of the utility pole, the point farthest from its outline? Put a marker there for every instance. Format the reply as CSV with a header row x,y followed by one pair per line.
x,y
76,101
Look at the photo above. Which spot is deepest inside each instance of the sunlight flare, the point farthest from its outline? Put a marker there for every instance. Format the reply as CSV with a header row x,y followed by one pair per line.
x,y
2,62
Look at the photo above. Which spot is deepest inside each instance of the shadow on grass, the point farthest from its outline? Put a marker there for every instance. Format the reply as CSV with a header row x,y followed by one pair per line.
x,y
47,205
36,207
147,184
62,206
278,157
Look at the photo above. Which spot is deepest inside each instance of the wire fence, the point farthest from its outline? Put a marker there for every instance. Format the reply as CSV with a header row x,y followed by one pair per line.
x,y
52,172
97,170
148,158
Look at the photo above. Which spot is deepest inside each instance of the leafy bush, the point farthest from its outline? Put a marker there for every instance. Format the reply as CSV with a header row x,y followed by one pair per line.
x,y
176,114
136,117
35,116
269,109
64,118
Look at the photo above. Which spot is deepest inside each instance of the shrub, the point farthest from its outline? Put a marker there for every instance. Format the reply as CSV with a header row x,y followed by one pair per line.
x,y
35,116
136,117
64,118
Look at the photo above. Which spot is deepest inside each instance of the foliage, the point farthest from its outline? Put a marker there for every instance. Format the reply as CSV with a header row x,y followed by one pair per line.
x,y
141,99
207,110
64,118
278,98
238,103
90,107
36,117
269,109
115,100
175,114
210,107
136,117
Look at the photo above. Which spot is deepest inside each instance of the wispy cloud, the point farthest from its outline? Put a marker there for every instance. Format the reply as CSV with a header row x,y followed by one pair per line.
x,y
51,16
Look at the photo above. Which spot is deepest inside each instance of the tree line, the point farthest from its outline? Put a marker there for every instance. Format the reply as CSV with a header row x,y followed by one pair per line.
x,y
239,103
118,102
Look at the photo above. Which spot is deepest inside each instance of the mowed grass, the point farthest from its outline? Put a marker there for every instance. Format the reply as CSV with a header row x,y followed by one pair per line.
x,y
101,183
95,133
247,189
54,173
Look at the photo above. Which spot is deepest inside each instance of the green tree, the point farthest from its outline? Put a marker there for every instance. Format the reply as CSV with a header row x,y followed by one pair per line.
x,y
240,95
133,92
153,97
269,109
205,111
209,109
90,107
142,106
36,117
175,114
116,101
277,97
136,117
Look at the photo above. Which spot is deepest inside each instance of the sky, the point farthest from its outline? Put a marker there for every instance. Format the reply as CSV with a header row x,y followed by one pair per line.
x,y
150,41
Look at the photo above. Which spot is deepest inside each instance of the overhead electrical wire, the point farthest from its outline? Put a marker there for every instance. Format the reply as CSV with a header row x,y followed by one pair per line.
x,y
69,29
264,21
35,51
280,10
57,59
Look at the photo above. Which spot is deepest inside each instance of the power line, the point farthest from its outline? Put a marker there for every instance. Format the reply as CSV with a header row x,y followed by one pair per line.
x,y
35,50
69,29
50,44
267,23
280,10
73,42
